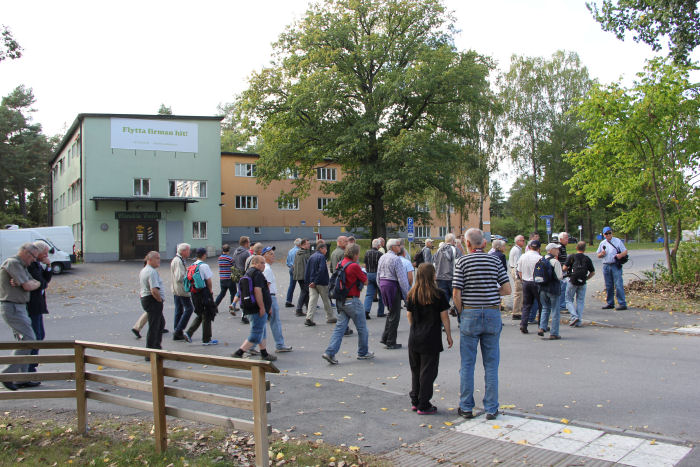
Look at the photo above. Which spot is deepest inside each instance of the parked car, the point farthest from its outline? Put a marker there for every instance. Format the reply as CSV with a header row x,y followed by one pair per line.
x,y
498,237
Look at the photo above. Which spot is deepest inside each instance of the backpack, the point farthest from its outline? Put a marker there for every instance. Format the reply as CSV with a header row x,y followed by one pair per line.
x,y
418,258
248,302
193,281
579,271
337,286
544,274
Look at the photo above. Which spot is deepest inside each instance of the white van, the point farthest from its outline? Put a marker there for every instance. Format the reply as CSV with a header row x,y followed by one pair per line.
x,y
61,236
11,240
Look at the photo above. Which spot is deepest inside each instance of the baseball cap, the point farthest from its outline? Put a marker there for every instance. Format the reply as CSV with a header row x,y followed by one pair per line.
x,y
551,246
268,248
535,244
606,230
200,251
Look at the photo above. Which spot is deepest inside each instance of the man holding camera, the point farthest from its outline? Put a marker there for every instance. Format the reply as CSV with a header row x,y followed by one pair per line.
x,y
613,252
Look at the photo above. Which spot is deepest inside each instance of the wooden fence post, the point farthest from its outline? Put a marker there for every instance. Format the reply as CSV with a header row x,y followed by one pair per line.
x,y
262,442
161,430
81,400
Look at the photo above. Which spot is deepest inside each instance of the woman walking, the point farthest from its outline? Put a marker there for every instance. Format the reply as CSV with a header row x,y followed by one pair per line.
x,y
427,308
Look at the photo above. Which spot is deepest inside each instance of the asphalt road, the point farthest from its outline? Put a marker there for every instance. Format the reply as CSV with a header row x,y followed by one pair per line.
x,y
620,375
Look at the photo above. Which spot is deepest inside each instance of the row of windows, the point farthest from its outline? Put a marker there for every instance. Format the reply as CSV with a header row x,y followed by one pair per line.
x,y
72,195
287,230
251,202
322,173
64,162
176,188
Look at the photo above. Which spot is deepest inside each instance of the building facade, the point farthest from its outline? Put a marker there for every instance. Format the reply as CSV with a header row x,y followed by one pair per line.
x,y
129,184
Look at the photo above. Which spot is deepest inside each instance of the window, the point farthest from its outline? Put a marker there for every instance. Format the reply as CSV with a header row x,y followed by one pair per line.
x,y
187,188
224,230
292,205
257,230
245,170
199,230
443,232
422,231
287,230
142,187
69,157
323,202
316,229
292,174
60,166
325,173
55,205
63,201
246,202
423,207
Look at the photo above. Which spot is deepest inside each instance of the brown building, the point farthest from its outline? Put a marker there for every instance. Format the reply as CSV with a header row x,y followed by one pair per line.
x,y
251,210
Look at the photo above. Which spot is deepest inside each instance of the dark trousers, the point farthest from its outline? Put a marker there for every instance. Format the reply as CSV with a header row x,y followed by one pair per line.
x,y
39,333
183,311
227,285
156,321
445,286
203,302
303,295
530,294
424,370
392,320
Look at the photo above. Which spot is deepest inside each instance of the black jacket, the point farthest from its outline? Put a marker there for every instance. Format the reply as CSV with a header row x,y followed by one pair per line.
x,y
37,298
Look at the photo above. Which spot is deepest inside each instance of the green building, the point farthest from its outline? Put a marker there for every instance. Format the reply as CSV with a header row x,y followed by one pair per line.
x,y
129,184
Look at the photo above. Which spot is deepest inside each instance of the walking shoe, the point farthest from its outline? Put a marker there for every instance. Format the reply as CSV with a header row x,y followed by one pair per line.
x,y
284,348
308,322
269,357
331,321
367,316
329,359
178,337
465,414
554,337
211,342
252,352
348,332
232,311
28,384
367,356
540,332
414,408
300,313
245,320
573,322
289,305
136,333
9,385
516,317
187,337
621,307
523,329
491,416
164,331
383,315
393,346
429,411
608,307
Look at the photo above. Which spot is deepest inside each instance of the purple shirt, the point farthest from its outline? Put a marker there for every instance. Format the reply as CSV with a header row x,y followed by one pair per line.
x,y
391,268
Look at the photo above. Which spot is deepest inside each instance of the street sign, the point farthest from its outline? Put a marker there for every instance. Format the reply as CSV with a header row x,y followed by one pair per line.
x,y
409,228
549,226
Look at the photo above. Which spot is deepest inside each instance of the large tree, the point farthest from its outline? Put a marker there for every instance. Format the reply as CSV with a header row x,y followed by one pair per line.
x,y
9,48
644,151
679,20
376,86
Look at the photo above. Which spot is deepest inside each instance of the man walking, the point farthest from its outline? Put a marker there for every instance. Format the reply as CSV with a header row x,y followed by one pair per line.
x,y
339,253
563,241
226,283
393,285
181,297
549,295
15,286
526,272
513,257
275,323
316,277
300,261
612,250
240,255
478,283
581,269
444,261
371,262
203,300
151,293
40,270
290,265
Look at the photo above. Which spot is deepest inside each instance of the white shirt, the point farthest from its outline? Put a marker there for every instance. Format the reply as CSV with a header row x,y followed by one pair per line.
x,y
204,270
610,250
407,266
514,255
527,263
270,276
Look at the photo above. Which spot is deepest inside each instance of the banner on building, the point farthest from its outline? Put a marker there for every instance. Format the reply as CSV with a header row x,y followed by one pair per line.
x,y
154,135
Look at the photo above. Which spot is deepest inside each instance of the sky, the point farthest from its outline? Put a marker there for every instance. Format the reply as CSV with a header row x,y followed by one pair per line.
x,y
132,56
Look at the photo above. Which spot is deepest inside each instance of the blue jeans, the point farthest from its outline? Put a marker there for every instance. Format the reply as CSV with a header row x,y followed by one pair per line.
x,y
38,326
372,288
292,286
580,292
257,328
562,294
536,306
550,304
350,310
276,324
479,327
183,311
613,284
446,286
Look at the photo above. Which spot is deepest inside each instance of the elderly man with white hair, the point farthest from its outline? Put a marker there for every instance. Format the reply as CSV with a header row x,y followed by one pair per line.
x,y
181,297
40,270
513,257
444,261
563,240
393,285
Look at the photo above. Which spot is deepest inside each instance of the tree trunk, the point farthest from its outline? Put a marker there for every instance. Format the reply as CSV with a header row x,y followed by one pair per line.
x,y
589,225
481,210
22,197
378,228
534,178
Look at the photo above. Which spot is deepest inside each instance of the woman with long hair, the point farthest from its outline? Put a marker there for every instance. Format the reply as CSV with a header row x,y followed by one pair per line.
x,y
427,309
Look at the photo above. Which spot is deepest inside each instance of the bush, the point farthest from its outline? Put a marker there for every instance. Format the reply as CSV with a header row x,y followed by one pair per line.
x,y
688,263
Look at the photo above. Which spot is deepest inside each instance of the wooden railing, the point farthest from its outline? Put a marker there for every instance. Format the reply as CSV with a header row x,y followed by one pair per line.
x,y
156,386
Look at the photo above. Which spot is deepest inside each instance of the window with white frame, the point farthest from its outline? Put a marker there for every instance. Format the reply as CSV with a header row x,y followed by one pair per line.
x,y
187,188
292,174
257,230
443,232
287,230
224,230
323,202
291,205
422,231
245,170
142,187
325,173
246,202
199,230
422,207
60,166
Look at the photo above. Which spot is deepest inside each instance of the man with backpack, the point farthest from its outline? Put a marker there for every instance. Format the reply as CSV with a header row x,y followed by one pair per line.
x,y
425,254
580,269
181,297
240,255
198,279
548,275
346,286
526,273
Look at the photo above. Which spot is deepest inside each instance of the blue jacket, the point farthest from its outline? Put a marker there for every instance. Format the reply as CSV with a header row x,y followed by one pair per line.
x,y
316,270
290,256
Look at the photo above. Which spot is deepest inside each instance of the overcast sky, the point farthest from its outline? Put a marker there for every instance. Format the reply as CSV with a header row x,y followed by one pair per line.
x,y
131,56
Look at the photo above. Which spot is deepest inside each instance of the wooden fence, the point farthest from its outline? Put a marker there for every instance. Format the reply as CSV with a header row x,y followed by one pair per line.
x,y
157,387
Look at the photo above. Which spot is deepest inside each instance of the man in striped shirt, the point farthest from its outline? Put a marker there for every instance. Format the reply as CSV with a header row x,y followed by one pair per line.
x,y
227,285
371,262
478,282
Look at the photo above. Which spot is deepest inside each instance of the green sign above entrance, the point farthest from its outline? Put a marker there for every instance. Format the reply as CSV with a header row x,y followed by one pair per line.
x,y
137,215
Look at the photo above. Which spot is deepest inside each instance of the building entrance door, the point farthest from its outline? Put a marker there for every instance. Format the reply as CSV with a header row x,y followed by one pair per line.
x,y
136,238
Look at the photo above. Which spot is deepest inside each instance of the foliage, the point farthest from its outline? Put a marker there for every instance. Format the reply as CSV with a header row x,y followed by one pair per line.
x,y
165,110
679,20
9,48
687,265
377,87
644,151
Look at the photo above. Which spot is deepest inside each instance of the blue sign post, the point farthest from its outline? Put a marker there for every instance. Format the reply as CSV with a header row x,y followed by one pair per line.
x,y
548,219
409,229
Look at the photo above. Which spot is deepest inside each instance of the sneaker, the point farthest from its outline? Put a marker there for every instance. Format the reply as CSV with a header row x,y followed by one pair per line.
x,y
465,414
523,329
164,331
414,408
540,332
252,352
136,333
367,316
245,320
308,322
516,317
269,357
331,321
491,416
284,348
289,305
554,337
393,346
187,337
329,359
9,385
621,307
348,332
300,313
367,356
608,307
429,411
573,322
178,337
211,342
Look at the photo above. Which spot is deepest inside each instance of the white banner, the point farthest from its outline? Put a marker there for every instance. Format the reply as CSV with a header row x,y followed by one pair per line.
x,y
154,135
